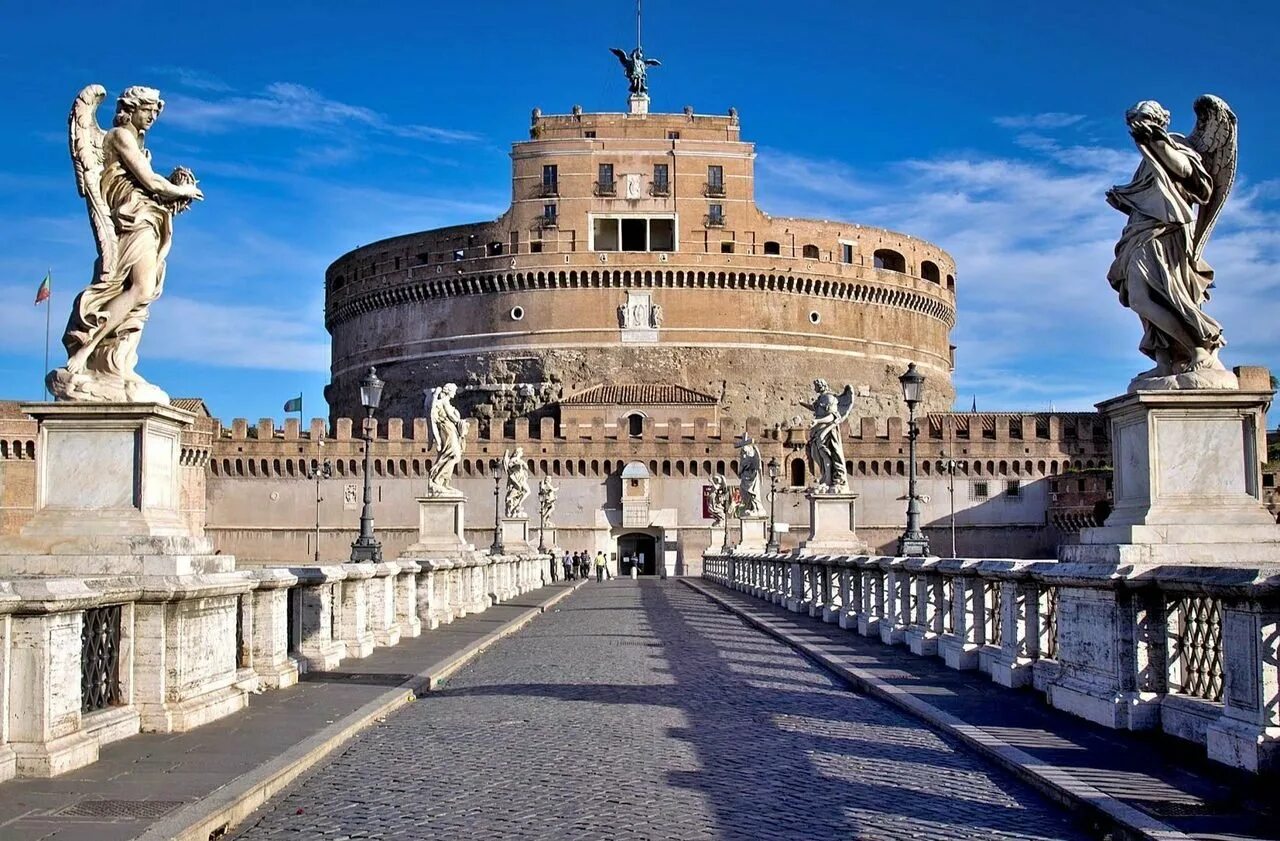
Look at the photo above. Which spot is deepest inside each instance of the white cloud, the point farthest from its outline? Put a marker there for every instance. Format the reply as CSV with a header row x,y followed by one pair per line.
x,y
1048,120
286,105
189,77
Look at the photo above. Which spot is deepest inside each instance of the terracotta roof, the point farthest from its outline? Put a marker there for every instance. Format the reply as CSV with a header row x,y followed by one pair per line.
x,y
191,404
639,395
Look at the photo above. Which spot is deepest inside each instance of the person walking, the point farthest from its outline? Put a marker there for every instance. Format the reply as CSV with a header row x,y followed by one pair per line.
x,y
567,562
601,565
584,563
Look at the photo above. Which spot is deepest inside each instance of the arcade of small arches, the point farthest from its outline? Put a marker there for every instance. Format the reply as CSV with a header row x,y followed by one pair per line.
x,y
17,449
484,284
795,467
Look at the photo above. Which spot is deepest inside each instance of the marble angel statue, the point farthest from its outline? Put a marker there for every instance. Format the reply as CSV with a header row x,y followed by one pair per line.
x,y
513,464
131,210
546,499
1159,271
447,433
720,500
826,444
750,503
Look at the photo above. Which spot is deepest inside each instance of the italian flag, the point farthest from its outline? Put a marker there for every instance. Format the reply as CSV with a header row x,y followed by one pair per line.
x,y
46,289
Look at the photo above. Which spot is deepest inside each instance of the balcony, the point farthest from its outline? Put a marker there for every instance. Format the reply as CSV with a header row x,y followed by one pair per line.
x,y
606,188
660,189
714,220
549,189
713,190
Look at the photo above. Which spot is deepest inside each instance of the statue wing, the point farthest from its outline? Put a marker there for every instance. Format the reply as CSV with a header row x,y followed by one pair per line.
x,y
653,62
622,57
844,403
85,138
1214,138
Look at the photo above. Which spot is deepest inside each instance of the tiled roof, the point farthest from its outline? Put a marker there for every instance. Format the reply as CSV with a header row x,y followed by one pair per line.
x,y
191,404
639,395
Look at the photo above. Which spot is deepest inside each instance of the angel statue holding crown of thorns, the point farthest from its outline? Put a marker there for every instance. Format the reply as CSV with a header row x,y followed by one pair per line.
x,y
1158,271
131,210
825,447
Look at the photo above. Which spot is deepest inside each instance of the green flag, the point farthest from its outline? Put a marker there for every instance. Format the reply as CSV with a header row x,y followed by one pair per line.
x,y
294,405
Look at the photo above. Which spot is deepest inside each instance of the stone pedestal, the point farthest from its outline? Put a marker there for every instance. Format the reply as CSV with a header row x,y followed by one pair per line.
x,y
638,103
353,612
1187,482
719,540
755,535
832,522
441,528
515,536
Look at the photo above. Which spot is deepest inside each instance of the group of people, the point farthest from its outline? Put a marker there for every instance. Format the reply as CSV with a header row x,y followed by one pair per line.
x,y
578,565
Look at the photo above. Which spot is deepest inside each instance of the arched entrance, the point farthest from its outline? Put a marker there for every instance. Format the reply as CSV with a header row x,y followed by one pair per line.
x,y
637,549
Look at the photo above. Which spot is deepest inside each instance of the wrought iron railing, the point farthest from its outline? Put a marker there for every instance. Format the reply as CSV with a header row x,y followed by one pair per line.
x,y
660,188
100,658
993,603
715,220
548,190
713,190
1195,639
606,188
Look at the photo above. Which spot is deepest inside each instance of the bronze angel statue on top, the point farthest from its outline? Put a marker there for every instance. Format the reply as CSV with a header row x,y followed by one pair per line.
x,y
636,66
1159,271
131,210
826,445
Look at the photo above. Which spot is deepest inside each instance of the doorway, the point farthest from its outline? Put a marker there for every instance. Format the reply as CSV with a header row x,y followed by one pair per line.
x,y
639,550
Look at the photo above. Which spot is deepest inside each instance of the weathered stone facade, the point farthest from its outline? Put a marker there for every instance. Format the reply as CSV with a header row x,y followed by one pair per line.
x,y
654,216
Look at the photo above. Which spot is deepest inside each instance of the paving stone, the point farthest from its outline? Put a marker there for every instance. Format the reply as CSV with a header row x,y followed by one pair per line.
x,y
637,711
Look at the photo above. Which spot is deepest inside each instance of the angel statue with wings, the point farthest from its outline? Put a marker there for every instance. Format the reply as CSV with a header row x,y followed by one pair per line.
x,y
750,502
826,446
447,432
513,464
546,499
131,210
1158,271
719,501
636,66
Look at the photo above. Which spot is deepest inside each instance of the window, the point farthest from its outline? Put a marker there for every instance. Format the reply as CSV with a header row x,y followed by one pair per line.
x,y
978,490
535,246
550,180
610,233
715,215
397,264
1013,487
810,252
549,215
929,271
635,234
635,427
726,247
494,248
887,258
604,180
797,473
846,252
673,135
661,180
589,134
772,247
606,235
662,235
715,180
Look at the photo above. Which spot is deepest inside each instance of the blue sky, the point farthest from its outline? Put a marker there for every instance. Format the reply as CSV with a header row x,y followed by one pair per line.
x,y
990,128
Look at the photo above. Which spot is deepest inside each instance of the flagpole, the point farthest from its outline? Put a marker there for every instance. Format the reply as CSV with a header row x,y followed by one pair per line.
x,y
48,308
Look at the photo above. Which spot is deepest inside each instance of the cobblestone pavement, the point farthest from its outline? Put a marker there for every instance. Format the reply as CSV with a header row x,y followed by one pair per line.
x,y
641,711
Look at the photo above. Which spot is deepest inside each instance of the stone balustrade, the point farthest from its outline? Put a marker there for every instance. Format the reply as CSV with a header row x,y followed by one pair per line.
x,y
1187,650
80,673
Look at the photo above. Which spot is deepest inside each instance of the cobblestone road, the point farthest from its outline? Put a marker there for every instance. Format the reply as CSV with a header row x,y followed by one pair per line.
x,y
640,711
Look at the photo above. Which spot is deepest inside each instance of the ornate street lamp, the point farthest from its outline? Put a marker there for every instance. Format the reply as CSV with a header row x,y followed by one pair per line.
x,y
950,465
497,548
542,519
366,547
772,544
323,470
913,542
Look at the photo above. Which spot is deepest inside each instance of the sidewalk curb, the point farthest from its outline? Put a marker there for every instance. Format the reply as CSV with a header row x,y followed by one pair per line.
x,y
1055,782
215,815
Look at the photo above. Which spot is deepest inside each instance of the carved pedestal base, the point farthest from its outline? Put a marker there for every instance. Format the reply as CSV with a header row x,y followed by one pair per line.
x,y
515,536
755,535
832,522
441,524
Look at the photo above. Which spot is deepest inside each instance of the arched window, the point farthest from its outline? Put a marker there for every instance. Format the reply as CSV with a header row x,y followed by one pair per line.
x,y
772,247
635,425
951,283
810,252
797,473
887,258
929,271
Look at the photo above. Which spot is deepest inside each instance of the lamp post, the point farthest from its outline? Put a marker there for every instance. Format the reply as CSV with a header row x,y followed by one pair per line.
x,y
497,548
324,470
913,542
542,519
772,545
950,465
366,547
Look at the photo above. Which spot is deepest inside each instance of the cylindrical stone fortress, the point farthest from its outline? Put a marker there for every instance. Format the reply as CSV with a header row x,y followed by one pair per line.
x,y
633,252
